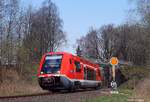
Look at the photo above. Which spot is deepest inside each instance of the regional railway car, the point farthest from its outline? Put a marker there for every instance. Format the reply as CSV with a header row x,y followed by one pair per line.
x,y
61,70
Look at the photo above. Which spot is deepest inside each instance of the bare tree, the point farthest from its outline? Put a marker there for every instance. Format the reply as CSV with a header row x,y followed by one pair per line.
x,y
1,35
143,8
108,34
127,42
26,34
91,45
46,32
11,9
78,51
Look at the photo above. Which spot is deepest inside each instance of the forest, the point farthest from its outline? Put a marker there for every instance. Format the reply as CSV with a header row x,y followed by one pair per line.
x,y
27,33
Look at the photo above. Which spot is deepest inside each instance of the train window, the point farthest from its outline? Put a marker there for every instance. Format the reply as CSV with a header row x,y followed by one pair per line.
x,y
70,61
78,66
52,64
94,77
98,72
85,73
91,74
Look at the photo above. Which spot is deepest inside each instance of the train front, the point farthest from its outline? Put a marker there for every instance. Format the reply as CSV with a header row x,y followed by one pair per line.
x,y
49,75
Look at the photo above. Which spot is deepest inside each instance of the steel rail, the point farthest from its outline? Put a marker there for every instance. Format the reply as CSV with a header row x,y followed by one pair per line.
x,y
48,93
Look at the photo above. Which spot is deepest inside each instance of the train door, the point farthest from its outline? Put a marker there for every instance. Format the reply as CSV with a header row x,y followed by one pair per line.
x,y
85,73
72,69
78,69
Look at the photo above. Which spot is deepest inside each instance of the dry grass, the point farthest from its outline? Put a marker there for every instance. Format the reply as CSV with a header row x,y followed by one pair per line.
x,y
142,90
12,88
13,84
134,76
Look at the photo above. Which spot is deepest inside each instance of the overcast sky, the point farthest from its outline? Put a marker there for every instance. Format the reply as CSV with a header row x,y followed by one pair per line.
x,y
79,15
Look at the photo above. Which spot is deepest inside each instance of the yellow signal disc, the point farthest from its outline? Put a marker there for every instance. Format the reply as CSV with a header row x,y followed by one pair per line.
x,y
114,61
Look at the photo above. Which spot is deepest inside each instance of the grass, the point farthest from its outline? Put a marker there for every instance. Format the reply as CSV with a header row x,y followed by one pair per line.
x,y
142,90
14,84
112,98
137,86
121,97
18,88
134,75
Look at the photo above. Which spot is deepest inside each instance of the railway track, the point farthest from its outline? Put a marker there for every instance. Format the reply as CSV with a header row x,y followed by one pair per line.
x,y
24,96
53,94
32,95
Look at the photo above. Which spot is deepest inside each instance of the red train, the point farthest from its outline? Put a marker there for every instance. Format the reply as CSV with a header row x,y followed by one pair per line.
x,y
61,70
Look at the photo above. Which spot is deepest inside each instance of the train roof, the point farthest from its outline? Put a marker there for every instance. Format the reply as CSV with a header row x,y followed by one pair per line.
x,y
82,59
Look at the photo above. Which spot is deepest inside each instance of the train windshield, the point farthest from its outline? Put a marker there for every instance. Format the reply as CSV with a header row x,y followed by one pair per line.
x,y
52,64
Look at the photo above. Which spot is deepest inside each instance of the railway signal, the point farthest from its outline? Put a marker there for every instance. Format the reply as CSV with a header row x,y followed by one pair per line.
x,y
114,61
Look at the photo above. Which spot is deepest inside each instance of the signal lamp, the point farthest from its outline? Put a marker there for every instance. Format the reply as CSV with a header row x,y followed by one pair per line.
x,y
41,72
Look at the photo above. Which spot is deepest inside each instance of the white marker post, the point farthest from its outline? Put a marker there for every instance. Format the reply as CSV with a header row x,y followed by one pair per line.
x,y
114,61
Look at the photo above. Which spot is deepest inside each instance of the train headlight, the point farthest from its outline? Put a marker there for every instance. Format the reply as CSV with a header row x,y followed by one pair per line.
x,y
58,72
41,72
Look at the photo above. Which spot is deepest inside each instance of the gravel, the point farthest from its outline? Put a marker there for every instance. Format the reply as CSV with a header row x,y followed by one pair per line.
x,y
79,96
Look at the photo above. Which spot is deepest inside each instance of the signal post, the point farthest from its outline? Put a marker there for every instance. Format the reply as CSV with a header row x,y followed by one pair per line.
x,y
114,61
